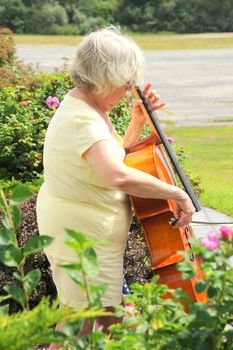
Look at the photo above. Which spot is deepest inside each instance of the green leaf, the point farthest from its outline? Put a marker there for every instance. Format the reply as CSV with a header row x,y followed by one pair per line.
x,y
74,266
16,215
78,241
181,295
77,236
212,291
188,275
20,194
200,286
17,276
2,205
31,280
11,256
4,297
52,336
91,254
4,310
6,236
184,266
90,268
6,222
187,269
36,243
75,246
99,288
16,293
89,263
207,344
77,278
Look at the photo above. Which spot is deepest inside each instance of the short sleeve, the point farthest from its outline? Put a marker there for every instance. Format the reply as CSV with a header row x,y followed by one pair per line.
x,y
90,129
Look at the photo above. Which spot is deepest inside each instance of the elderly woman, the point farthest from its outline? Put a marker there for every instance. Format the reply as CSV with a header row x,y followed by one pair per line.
x,y
86,183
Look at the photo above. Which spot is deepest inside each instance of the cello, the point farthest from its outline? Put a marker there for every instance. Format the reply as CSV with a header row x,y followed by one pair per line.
x,y
155,156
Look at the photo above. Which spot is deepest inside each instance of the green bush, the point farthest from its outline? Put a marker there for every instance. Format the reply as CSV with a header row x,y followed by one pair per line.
x,y
28,329
68,29
43,18
7,47
12,72
24,118
13,14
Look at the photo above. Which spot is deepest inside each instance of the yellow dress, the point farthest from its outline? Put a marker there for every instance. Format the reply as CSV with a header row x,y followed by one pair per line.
x,y
74,196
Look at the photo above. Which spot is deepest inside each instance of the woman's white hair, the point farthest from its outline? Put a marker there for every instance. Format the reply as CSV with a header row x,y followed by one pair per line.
x,y
105,59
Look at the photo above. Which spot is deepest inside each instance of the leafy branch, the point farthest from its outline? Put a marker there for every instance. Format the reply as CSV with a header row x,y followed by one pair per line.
x,y
12,254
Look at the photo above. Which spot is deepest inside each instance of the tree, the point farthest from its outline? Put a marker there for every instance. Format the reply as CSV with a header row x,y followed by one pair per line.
x,y
13,14
43,21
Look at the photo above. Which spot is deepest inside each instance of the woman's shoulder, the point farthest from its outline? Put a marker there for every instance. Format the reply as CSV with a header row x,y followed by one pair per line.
x,y
80,108
76,103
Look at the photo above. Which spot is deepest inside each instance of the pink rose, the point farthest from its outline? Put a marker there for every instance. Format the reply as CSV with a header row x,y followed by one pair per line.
x,y
170,139
211,241
52,102
226,233
24,103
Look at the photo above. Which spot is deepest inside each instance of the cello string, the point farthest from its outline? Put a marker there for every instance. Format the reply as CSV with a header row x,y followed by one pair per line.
x,y
209,221
204,223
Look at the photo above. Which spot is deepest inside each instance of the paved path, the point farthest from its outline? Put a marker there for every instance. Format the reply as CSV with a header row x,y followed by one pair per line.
x,y
212,215
197,86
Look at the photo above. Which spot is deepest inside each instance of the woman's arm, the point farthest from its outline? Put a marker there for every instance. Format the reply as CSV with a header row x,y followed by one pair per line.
x,y
134,130
103,157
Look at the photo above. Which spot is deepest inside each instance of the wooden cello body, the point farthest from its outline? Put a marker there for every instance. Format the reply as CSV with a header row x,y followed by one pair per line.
x,y
155,215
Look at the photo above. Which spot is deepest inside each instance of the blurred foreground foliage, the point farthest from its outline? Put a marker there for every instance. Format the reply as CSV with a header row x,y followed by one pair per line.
x,y
155,322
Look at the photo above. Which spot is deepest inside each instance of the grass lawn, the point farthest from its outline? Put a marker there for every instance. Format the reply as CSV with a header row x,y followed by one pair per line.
x,y
145,41
210,155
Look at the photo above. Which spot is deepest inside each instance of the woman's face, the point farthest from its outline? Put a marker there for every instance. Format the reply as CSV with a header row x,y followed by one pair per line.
x,y
114,97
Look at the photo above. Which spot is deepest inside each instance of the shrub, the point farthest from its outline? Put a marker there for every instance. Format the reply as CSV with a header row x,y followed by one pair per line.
x,y
7,47
14,256
13,14
11,70
28,329
27,229
24,118
43,18
155,323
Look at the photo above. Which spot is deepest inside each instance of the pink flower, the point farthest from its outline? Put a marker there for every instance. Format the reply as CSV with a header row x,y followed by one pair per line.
x,y
211,241
226,233
52,102
170,139
24,103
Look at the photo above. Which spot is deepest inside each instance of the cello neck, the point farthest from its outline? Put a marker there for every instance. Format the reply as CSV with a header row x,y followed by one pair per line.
x,y
150,116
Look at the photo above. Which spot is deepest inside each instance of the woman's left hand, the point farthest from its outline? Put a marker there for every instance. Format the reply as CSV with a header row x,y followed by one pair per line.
x,y
152,98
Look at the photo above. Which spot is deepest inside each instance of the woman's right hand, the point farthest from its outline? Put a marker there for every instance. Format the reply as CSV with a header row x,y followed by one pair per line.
x,y
106,160
184,210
